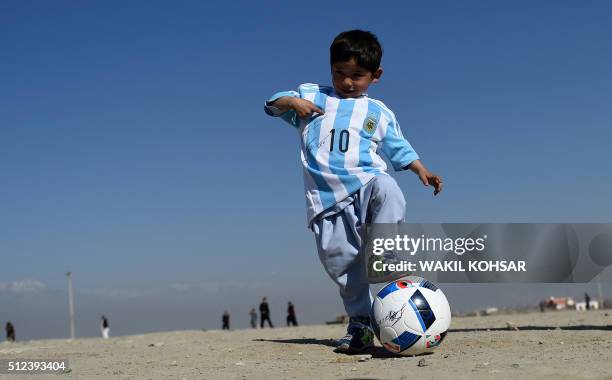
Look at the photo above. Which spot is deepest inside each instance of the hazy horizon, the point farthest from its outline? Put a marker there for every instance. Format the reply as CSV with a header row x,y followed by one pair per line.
x,y
43,313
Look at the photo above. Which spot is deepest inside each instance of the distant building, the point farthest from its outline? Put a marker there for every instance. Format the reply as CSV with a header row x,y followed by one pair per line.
x,y
490,311
581,306
340,319
558,303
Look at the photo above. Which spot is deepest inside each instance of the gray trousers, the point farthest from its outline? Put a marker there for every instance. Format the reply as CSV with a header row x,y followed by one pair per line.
x,y
338,235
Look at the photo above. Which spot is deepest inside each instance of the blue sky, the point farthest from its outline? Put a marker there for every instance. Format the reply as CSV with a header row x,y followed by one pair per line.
x,y
134,150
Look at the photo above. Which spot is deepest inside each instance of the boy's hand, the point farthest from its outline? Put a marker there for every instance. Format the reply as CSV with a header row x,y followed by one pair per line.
x,y
426,176
433,180
304,108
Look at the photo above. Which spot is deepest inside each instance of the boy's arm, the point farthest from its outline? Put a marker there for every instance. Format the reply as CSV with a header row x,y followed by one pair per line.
x,y
272,109
303,108
401,154
289,106
395,147
281,105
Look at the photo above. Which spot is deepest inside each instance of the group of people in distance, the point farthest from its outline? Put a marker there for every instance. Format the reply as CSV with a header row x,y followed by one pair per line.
x,y
264,316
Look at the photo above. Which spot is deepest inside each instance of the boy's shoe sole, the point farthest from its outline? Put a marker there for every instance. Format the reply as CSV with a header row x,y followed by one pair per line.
x,y
346,348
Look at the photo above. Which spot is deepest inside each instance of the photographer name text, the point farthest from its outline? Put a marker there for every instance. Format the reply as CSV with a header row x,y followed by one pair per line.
x,y
451,266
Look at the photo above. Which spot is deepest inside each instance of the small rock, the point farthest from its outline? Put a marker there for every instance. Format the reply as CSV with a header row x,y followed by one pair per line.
x,y
351,358
445,356
422,363
511,326
239,363
540,342
174,363
354,369
300,353
342,359
515,365
158,344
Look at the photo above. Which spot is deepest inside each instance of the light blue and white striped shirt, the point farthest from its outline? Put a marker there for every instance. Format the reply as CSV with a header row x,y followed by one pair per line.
x,y
340,148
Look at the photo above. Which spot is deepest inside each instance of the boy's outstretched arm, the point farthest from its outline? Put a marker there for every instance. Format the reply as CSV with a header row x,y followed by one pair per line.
x,y
399,151
425,175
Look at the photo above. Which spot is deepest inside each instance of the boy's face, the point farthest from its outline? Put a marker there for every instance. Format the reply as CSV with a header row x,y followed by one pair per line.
x,y
351,80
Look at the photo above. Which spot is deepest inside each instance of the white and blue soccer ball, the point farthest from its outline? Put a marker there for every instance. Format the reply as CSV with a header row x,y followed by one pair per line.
x,y
411,316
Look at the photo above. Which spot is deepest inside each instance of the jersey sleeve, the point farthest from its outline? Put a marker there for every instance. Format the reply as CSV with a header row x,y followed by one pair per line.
x,y
288,116
395,147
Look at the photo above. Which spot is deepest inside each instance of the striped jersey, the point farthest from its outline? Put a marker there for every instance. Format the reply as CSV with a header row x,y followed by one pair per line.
x,y
340,149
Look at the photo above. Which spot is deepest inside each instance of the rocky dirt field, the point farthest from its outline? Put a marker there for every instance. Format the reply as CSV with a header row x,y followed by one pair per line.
x,y
552,345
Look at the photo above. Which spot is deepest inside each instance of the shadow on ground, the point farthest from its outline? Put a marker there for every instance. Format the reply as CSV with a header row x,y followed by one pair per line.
x,y
381,353
376,352
322,342
536,328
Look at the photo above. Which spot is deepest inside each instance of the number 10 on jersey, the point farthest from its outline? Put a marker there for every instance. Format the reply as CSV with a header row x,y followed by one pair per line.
x,y
343,140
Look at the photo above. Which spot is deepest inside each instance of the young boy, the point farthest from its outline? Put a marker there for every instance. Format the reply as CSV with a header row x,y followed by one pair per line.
x,y
342,133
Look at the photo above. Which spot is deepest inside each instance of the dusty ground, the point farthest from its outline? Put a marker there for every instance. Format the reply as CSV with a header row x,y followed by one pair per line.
x,y
553,345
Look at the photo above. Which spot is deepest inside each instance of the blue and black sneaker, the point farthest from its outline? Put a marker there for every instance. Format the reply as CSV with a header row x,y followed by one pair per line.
x,y
359,336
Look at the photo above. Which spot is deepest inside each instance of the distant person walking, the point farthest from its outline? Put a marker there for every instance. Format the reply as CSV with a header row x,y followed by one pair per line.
x,y
291,320
264,313
10,332
542,306
104,327
253,315
587,300
226,320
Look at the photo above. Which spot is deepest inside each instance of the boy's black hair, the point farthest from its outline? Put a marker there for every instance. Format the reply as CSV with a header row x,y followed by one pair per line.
x,y
361,45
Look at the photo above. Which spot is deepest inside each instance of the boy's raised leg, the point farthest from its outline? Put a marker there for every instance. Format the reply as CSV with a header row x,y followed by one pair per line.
x,y
338,243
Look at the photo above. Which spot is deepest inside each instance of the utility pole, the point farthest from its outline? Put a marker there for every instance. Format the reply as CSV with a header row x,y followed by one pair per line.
x,y
70,304
600,293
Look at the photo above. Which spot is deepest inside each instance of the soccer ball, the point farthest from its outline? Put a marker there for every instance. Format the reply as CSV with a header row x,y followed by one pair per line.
x,y
411,316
